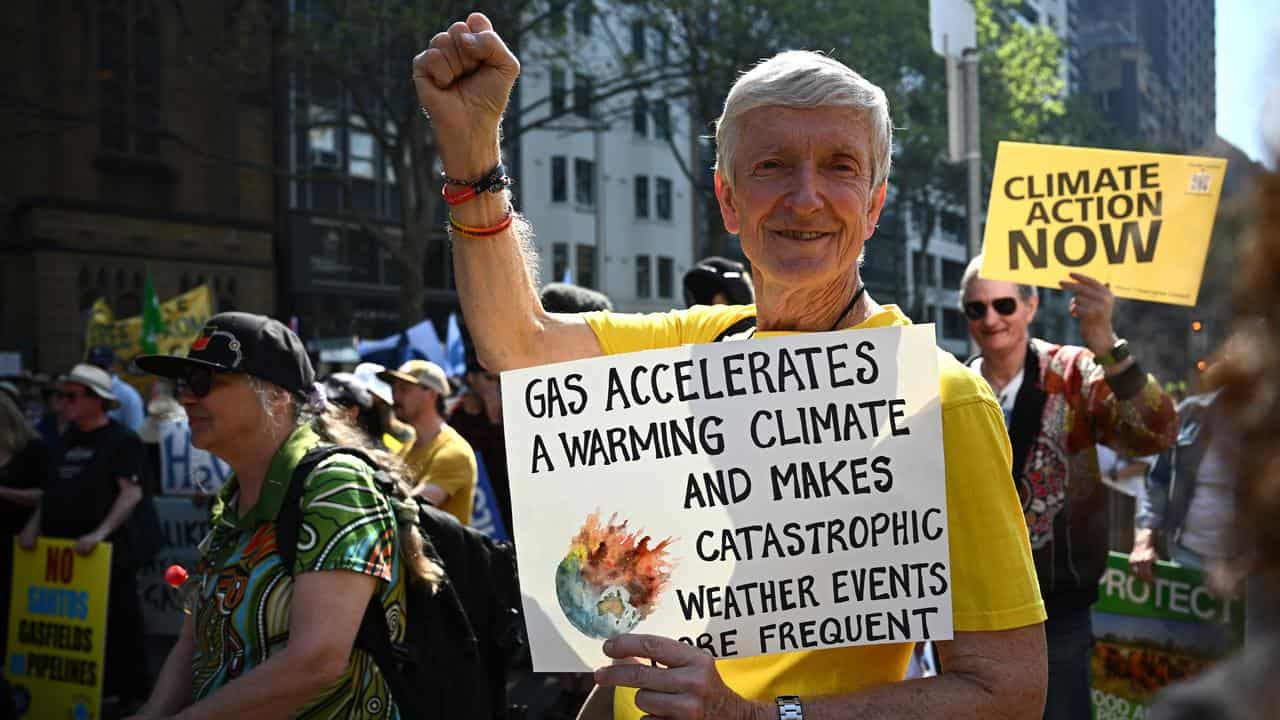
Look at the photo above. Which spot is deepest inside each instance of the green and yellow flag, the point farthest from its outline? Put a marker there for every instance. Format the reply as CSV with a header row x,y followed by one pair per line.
x,y
152,319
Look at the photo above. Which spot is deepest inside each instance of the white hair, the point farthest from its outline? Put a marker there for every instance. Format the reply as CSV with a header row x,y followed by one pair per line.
x,y
1026,292
805,79
269,394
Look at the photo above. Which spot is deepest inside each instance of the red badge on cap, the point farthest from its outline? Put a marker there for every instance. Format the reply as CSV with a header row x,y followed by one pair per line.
x,y
201,342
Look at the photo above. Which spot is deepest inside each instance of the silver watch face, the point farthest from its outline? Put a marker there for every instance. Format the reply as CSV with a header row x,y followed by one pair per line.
x,y
789,708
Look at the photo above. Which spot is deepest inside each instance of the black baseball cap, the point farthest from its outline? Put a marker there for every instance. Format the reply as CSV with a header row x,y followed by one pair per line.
x,y
717,275
242,342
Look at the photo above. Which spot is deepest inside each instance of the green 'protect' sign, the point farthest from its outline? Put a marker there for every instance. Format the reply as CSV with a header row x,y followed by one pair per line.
x,y
1150,634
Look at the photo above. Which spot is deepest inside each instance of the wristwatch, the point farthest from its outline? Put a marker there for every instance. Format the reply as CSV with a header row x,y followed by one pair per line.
x,y
789,707
1117,354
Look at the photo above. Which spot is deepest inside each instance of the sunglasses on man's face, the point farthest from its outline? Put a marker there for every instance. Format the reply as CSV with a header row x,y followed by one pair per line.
x,y
976,309
199,380
67,396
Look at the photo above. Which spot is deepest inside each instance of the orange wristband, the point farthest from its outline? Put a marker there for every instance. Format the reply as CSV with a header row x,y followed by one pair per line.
x,y
481,232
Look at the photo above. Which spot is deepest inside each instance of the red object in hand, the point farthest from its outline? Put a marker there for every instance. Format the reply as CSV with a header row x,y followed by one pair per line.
x,y
175,575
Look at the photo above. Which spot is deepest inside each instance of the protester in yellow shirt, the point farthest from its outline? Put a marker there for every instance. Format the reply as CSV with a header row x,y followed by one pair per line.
x,y
442,461
803,153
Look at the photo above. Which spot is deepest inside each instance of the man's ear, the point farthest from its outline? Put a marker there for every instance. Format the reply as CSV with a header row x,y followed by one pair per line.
x,y
875,208
728,206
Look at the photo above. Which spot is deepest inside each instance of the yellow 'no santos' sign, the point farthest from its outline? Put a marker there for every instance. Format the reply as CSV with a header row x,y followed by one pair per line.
x,y
1139,221
57,629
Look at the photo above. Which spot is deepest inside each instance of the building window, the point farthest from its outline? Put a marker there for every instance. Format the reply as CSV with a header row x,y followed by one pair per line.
x,y
638,40
586,262
559,179
643,280
642,196
583,13
640,116
952,271
322,137
663,199
559,261
666,274
584,182
360,160
558,91
954,227
129,62
662,119
922,262
660,50
953,324
583,89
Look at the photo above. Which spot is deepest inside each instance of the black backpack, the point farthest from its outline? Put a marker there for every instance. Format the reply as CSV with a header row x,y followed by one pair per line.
x,y
459,639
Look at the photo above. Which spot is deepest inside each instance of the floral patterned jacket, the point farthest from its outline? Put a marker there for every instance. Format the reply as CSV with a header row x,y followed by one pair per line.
x,y
1064,409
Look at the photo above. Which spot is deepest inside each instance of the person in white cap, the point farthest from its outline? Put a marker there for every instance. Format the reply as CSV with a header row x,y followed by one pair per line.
x,y
96,483
443,461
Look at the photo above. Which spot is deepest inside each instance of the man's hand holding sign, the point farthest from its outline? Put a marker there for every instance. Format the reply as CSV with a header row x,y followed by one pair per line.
x,y
1092,305
803,186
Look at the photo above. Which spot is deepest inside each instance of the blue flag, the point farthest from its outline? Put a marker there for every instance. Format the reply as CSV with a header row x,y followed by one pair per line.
x,y
455,353
484,511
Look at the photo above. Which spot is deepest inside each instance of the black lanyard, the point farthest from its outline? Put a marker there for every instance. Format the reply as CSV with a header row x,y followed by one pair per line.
x,y
854,301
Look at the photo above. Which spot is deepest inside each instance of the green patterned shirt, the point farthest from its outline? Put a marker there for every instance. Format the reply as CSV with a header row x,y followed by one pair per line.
x,y
243,591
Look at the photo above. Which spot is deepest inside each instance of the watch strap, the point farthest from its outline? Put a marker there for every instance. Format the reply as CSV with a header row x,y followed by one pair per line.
x,y
789,707
1117,354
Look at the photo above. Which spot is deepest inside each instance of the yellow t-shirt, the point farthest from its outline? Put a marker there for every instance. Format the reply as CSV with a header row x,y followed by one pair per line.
x,y
447,462
993,578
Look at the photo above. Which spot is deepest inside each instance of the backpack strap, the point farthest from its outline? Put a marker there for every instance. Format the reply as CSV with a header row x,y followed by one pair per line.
x,y
289,517
374,634
743,325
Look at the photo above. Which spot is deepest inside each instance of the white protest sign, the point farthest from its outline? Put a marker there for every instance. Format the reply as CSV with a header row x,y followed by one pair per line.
x,y
748,498
187,470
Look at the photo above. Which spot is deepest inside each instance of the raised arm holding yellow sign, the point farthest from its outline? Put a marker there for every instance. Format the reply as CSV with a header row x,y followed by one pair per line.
x,y
1138,221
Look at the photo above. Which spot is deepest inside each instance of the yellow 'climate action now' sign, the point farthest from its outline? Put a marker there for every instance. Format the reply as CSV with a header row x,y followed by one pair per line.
x,y
1139,221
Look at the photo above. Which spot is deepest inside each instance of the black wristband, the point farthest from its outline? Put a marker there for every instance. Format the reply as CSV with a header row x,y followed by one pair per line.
x,y
1127,384
494,181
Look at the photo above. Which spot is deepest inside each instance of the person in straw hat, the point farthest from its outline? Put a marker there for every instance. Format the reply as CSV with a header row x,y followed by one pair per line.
x,y
96,483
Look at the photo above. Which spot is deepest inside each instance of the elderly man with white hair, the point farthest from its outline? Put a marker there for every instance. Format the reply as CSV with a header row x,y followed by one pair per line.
x,y
803,151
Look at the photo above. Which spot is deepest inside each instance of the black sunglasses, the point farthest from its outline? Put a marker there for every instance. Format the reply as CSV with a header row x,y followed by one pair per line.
x,y
64,395
197,379
976,309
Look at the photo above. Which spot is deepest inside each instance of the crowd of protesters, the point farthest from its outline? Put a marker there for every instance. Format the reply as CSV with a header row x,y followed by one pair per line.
x,y
1027,555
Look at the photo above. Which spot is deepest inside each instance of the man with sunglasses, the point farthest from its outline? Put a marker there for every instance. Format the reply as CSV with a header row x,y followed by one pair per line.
x,y
1060,402
95,485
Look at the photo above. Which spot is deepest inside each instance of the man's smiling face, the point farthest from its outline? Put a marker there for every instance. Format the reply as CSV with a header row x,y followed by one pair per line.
x,y
801,202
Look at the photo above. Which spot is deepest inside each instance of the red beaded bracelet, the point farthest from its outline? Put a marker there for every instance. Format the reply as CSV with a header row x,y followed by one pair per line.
x,y
480,232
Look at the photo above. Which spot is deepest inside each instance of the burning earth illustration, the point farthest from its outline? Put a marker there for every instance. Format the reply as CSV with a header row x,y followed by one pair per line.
x,y
610,579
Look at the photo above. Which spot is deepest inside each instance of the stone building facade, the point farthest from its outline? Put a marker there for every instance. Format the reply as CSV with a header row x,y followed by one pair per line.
x,y
137,139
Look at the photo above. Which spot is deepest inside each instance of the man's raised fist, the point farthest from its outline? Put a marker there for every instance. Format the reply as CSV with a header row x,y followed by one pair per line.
x,y
463,81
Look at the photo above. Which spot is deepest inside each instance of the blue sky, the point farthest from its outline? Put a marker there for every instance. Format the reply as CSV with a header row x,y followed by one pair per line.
x,y
1248,67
